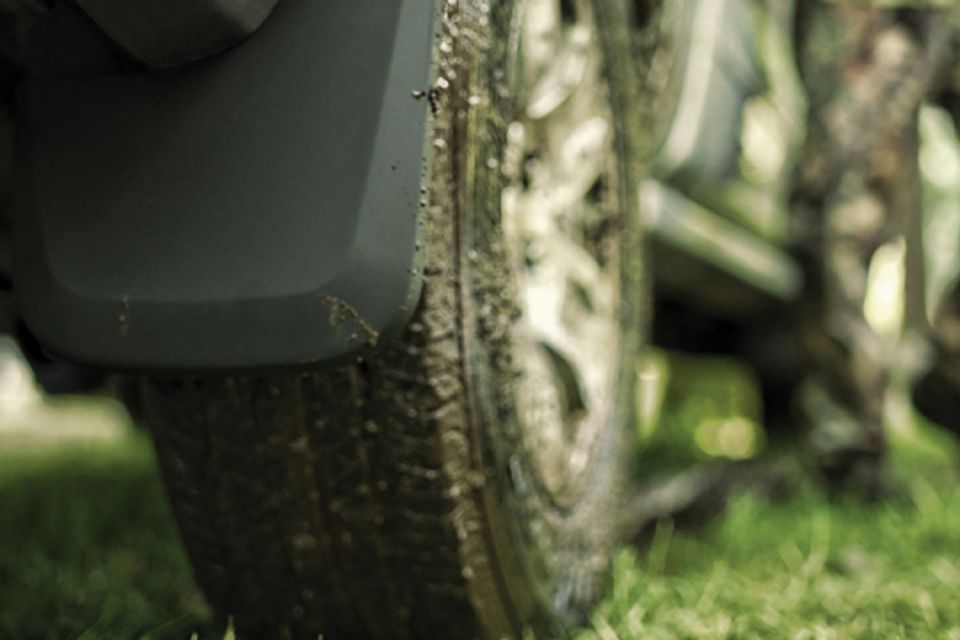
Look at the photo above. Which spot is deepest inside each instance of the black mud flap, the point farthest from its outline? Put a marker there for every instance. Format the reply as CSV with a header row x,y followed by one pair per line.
x,y
256,209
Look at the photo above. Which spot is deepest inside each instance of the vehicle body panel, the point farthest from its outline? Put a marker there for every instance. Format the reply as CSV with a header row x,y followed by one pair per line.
x,y
166,33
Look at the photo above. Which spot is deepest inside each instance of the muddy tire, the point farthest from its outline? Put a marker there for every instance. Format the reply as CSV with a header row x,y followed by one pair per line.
x,y
464,481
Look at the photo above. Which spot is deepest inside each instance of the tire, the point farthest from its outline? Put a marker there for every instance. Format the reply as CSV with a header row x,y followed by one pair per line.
x,y
424,492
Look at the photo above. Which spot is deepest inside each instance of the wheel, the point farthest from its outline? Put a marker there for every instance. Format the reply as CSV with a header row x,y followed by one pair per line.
x,y
464,482
703,69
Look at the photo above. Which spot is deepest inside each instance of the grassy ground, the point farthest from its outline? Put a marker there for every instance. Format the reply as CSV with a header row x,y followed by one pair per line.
x,y
802,569
87,550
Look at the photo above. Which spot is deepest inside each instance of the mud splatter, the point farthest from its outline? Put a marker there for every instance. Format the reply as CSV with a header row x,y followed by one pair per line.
x,y
341,311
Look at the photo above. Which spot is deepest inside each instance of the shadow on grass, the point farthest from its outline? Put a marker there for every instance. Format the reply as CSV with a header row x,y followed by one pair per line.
x,y
88,548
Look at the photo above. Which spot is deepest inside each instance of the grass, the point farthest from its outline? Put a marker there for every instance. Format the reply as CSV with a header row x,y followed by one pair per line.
x,y
88,550
802,569
805,567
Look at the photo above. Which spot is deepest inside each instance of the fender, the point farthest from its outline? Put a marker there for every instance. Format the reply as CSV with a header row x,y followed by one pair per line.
x,y
259,208
166,33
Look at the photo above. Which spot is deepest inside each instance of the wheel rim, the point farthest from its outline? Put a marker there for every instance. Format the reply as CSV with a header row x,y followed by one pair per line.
x,y
561,228
664,38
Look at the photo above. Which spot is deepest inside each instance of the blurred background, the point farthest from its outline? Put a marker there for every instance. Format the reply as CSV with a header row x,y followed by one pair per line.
x,y
769,507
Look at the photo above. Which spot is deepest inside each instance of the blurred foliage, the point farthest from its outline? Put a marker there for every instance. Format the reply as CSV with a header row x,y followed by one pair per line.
x,y
711,411
88,548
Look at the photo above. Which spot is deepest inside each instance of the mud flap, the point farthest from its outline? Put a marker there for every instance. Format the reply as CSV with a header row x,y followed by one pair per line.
x,y
256,209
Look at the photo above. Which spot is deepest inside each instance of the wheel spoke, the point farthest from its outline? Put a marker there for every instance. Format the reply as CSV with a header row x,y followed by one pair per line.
x,y
556,221
561,78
